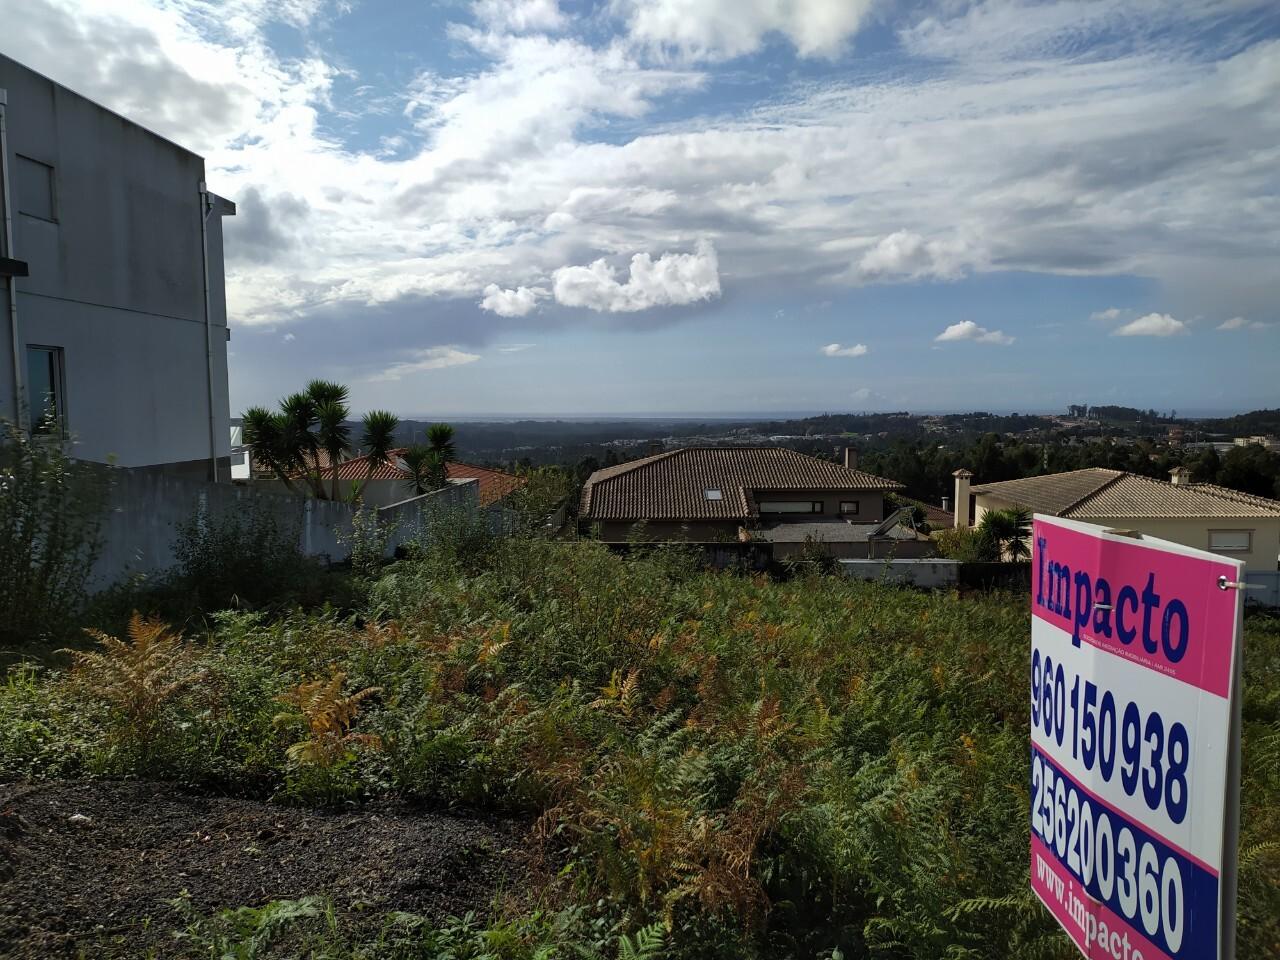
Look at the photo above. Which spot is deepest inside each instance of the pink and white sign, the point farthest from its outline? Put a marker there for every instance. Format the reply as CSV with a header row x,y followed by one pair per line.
x,y
1133,664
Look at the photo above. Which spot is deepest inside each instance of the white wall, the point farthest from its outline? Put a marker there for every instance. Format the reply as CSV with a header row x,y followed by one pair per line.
x,y
144,509
1188,531
117,281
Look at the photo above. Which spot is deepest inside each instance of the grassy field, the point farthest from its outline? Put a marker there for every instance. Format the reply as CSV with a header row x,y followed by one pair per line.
x,y
706,765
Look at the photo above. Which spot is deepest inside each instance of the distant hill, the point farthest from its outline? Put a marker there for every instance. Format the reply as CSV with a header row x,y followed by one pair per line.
x,y
1246,424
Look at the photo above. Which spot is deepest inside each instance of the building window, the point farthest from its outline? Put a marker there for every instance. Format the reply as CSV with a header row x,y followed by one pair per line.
x,y
713,493
791,506
33,188
45,399
1231,541
849,508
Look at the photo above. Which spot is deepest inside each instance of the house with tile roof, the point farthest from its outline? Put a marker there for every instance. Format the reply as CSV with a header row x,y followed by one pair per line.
x,y
390,482
1201,515
760,494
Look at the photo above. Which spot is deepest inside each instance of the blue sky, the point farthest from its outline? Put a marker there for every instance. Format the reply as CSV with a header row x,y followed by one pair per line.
x,y
721,205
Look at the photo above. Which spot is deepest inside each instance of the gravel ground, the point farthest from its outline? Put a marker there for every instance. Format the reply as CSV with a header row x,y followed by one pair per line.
x,y
87,868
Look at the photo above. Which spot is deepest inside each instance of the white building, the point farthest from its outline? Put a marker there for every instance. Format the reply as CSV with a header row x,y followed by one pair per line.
x,y
112,309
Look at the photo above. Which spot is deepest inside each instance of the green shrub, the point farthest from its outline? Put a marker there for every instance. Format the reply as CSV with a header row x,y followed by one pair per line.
x,y
50,521
242,559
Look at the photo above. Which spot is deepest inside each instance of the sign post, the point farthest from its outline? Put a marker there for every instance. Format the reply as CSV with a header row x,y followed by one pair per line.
x,y
1135,688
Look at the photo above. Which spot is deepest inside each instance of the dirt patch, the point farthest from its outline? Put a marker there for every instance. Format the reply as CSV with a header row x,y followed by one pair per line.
x,y
88,867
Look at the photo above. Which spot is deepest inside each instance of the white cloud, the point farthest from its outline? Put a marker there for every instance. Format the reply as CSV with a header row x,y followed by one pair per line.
x,y
432,358
722,29
968,330
520,16
514,347
289,338
529,152
904,255
511,303
1151,325
1109,315
674,279
835,350
1240,323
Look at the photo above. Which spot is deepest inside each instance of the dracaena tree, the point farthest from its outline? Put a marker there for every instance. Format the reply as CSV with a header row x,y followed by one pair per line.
x,y
420,465
378,440
288,441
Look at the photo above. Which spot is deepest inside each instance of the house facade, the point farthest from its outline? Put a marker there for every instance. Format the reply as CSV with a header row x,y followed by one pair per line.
x,y
726,494
113,319
1201,515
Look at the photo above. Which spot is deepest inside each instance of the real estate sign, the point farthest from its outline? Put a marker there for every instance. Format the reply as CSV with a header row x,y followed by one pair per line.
x,y
1134,742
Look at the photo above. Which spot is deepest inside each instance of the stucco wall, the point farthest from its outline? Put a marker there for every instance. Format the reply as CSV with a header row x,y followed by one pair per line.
x,y
702,532
1195,533
1190,532
144,509
116,280
878,549
917,573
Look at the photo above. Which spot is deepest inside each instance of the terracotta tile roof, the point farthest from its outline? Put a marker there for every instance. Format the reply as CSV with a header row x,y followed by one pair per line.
x,y
934,515
494,484
1097,492
671,486
1054,493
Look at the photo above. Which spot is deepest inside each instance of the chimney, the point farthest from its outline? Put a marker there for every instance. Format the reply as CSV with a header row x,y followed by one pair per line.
x,y
946,504
963,477
1180,476
851,458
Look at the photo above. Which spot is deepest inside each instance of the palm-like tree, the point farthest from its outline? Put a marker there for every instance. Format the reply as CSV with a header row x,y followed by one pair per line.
x,y
378,440
1008,532
289,441
266,433
440,438
421,463
299,413
332,434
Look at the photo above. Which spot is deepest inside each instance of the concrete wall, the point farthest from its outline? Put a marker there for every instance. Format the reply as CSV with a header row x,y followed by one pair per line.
x,y
859,551
916,573
116,279
145,508
1188,531
375,493
709,531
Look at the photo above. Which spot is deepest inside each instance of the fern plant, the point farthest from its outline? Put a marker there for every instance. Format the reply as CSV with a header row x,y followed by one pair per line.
x,y
328,716
137,678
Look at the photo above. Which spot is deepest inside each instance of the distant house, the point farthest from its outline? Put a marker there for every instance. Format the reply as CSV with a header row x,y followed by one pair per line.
x,y
113,320
391,482
1201,515
762,494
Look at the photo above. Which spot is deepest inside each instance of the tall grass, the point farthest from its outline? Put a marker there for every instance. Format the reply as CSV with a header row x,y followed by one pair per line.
x,y
763,769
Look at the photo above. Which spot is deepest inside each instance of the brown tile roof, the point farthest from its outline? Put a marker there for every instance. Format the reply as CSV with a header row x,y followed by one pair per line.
x,y
934,515
494,484
1054,493
1097,492
670,486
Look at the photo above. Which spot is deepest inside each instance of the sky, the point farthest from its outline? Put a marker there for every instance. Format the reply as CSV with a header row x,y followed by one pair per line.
x,y
720,206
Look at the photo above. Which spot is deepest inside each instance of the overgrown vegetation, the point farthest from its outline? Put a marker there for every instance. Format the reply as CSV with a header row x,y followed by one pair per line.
x,y
716,766
999,535
50,517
